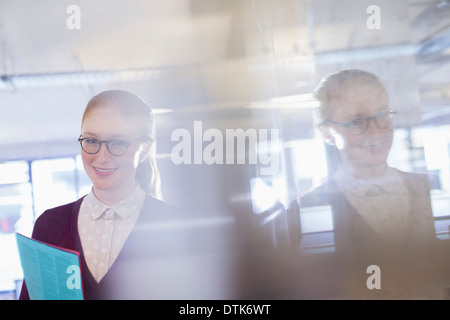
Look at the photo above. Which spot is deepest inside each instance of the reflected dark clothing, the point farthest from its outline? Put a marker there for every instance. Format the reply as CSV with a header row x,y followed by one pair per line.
x,y
358,246
139,271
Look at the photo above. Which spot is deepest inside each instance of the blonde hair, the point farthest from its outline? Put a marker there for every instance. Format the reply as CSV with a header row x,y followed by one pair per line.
x,y
331,88
132,106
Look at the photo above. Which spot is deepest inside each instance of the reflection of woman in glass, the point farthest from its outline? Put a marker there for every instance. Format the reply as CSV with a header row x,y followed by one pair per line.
x,y
379,213
107,226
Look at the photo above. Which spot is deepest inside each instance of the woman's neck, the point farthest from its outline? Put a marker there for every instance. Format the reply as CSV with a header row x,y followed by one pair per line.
x,y
111,197
365,172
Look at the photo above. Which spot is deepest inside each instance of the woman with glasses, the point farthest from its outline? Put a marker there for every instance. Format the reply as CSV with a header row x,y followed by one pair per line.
x,y
380,214
119,227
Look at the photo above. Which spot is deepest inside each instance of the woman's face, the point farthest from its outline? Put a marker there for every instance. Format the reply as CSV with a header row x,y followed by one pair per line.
x,y
371,148
111,175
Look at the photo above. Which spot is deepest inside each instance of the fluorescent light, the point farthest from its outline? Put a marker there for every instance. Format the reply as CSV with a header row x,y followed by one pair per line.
x,y
297,101
307,104
77,78
294,98
161,110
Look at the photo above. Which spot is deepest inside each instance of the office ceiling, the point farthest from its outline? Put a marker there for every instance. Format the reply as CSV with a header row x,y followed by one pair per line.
x,y
196,57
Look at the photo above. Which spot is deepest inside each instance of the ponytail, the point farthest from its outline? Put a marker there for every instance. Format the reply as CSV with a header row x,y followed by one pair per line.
x,y
147,175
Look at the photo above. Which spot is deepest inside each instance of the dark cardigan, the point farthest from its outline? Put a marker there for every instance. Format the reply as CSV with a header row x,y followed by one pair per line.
x,y
133,275
356,244
349,228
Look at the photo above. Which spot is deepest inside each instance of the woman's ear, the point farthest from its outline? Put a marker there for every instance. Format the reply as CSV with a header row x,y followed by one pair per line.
x,y
327,134
330,140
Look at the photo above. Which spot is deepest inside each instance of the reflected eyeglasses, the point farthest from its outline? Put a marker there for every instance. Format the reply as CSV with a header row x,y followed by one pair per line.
x,y
115,147
358,127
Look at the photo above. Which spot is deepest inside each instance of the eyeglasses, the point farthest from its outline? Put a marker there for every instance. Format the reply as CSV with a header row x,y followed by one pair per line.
x,y
115,147
359,126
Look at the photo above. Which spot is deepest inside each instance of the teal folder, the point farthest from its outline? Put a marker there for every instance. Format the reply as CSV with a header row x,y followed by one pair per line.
x,y
50,272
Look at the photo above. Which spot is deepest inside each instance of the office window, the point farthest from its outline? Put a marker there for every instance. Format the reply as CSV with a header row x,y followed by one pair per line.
x,y
309,163
434,142
16,214
16,210
54,183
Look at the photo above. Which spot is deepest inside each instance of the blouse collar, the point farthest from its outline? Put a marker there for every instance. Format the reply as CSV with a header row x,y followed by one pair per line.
x,y
124,208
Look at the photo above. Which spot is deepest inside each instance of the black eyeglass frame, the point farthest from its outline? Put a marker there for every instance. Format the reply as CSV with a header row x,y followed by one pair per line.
x,y
107,142
349,124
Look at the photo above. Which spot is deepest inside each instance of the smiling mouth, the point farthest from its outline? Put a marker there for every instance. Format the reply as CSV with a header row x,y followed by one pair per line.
x,y
374,146
103,171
